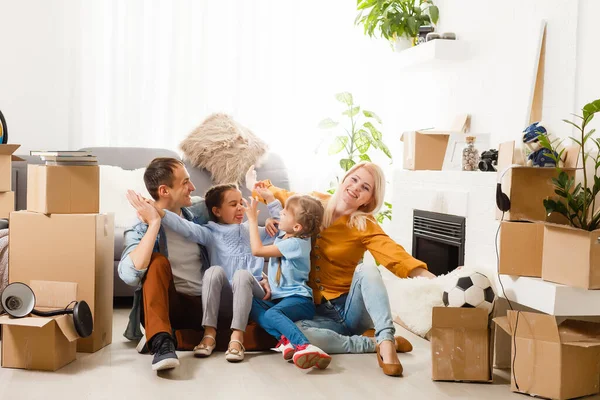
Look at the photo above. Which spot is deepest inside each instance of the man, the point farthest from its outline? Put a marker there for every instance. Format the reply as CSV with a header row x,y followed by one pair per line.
x,y
165,267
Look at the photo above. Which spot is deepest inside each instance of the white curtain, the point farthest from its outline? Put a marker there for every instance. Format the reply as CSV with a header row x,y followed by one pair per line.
x,y
147,72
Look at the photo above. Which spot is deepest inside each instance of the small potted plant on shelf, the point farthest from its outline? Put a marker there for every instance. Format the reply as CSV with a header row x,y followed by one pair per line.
x,y
398,21
572,251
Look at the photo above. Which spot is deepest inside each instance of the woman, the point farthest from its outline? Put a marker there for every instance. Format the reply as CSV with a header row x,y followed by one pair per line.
x,y
351,299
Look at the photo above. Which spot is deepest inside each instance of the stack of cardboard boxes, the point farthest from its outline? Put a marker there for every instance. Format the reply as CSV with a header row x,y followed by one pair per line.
x,y
63,239
7,196
550,357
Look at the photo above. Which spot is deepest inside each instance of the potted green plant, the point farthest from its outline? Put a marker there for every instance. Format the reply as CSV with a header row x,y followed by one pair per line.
x,y
360,137
572,251
396,20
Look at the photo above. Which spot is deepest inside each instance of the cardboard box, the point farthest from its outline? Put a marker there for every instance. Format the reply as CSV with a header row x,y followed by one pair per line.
x,y
6,159
41,343
68,247
424,150
571,256
460,345
528,187
521,245
7,204
558,361
59,189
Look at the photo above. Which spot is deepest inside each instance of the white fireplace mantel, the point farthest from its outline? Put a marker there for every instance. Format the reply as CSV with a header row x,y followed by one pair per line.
x,y
473,195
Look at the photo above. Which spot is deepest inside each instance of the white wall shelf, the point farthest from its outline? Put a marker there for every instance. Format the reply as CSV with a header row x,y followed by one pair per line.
x,y
432,51
551,298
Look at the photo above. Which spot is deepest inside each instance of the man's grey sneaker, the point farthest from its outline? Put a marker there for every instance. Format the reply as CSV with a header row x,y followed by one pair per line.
x,y
163,347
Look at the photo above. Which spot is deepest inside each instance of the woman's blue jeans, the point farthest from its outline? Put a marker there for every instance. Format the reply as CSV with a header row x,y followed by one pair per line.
x,y
339,323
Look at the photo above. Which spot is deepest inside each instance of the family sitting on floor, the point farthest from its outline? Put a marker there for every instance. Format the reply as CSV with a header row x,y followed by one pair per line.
x,y
317,297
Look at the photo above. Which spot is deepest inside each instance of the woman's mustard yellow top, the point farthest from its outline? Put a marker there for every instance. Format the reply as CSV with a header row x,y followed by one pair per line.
x,y
337,250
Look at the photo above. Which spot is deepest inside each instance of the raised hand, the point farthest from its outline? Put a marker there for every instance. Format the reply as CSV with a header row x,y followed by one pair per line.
x,y
264,192
251,209
145,211
250,178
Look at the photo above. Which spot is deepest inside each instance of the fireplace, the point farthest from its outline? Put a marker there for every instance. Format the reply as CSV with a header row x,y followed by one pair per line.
x,y
438,240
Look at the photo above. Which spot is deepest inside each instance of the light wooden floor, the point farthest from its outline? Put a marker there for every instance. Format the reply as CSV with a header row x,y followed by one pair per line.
x,y
119,372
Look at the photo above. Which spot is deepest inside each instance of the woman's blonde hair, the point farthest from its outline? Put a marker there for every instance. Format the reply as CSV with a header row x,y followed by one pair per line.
x,y
358,218
308,212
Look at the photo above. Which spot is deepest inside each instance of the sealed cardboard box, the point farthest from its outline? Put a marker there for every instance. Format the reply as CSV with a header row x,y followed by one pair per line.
x,y
68,247
551,359
528,187
460,345
424,150
59,189
571,256
6,159
7,204
41,343
521,246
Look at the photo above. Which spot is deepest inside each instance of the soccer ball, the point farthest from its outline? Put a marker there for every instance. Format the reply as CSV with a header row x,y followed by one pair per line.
x,y
470,291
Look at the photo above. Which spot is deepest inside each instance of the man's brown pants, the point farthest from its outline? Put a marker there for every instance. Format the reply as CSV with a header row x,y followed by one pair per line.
x,y
166,310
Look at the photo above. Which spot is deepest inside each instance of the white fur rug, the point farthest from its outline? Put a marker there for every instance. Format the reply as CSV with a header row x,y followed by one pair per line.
x,y
412,300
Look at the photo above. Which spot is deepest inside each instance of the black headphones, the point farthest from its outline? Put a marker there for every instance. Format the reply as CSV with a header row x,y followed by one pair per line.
x,y
502,200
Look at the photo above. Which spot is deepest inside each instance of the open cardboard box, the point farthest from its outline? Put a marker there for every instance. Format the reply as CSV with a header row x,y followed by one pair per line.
x,y
68,247
426,149
551,359
528,187
571,256
59,189
521,248
460,345
41,343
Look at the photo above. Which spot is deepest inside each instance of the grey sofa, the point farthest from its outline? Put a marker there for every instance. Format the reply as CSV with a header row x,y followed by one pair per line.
x,y
131,158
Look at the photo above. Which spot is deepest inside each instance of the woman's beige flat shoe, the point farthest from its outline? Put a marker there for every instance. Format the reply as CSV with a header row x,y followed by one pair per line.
x,y
235,355
203,349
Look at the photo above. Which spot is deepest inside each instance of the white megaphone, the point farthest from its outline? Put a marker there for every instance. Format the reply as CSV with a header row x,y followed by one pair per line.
x,y
18,300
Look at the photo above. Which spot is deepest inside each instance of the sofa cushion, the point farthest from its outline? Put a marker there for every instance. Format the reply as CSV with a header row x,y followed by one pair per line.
x,y
114,183
119,242
224,148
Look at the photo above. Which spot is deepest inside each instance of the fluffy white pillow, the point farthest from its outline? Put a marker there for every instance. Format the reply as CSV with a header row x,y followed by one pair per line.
x,y
412,300
114,183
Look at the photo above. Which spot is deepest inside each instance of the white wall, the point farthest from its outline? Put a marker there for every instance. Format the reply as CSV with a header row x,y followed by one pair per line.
x,y
34,73
39,56
494,83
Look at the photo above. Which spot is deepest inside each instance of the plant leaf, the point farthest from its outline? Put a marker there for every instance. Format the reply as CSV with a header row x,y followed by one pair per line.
x,y
345,98
572,123
338,145
362,142
352,112
434,13
365,157
346,164
376,134
327,123
590,109
384,148
371,114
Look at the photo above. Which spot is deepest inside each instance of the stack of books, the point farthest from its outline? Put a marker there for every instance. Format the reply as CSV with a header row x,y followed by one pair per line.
x,y
67,158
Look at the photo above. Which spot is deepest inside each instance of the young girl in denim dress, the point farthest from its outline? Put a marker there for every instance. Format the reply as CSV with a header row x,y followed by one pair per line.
x,y
289,266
